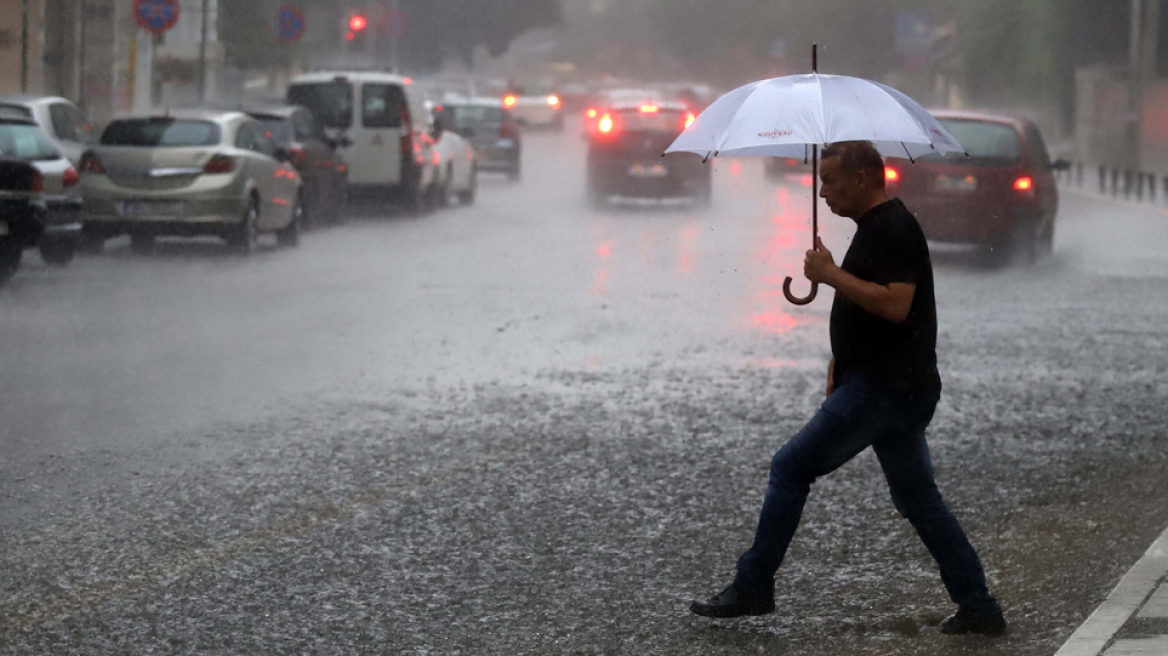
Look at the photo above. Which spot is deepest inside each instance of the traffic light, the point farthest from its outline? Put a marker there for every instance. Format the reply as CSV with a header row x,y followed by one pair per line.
x,y
358,23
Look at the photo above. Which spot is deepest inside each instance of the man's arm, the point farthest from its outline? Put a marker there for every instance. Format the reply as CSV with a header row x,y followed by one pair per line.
x,y
890,302
830,377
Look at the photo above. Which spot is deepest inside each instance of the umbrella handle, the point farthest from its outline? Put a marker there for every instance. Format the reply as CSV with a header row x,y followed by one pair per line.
x,y
795,300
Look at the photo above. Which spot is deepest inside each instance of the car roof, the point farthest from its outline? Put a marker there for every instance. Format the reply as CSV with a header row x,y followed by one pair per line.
x,y
13,115
281,111
984,117
350,75
196,114
473,102
30,101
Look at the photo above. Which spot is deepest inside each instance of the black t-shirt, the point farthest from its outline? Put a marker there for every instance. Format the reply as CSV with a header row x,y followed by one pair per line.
x,y
888,247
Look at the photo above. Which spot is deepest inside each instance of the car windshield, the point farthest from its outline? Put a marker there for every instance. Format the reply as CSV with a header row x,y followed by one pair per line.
x,y
662,120
331,102
26,142
470,116
161,133
987,143
279,128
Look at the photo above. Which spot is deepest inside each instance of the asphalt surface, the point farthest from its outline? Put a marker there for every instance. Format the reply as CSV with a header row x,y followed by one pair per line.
x,y
528,427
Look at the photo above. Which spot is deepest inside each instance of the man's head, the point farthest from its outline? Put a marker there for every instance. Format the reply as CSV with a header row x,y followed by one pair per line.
x,y
852,175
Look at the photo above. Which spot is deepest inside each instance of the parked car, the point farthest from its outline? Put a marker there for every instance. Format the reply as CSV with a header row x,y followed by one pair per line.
x,y
59,190
187,173
22,212
383,129
316,157
1002,196
455,158
64,123
624,154
537,108
491,130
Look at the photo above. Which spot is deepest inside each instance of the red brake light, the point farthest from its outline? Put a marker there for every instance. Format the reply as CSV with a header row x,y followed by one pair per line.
x,y
1025,183
649,109
37,184
219,164
689,119
71,178
891,174
91,163
358,23
554,101
606,124
510,101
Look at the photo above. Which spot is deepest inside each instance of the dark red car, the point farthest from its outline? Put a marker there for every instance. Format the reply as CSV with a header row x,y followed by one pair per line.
x,y
1002,196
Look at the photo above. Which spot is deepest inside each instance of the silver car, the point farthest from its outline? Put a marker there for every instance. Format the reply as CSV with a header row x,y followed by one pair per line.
x,y
63,122
189,173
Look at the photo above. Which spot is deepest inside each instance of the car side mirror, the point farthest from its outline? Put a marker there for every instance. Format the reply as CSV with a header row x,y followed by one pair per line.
x,y
1060,165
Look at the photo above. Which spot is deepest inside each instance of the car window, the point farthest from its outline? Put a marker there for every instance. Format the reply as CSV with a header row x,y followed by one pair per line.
x,y
984,141
304,126
26,142
330,102
20,109
62,122
1038,148
82,128
382,105
279,128
472,117
659,120
253,137
161,133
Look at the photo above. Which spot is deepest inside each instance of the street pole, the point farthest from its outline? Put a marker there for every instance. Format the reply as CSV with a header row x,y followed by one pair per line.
x,y
24,46
203,54
1135,78
393,41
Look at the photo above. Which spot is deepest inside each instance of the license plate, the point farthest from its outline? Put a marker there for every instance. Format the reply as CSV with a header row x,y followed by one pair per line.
x,y
648,171
955,183
143,208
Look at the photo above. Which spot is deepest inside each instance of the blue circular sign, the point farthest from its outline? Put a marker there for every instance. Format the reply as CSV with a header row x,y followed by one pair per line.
x,y
156,16
290,24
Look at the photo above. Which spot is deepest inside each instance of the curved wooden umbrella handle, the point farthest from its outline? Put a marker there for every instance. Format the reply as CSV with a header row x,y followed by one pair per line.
x,y
796,300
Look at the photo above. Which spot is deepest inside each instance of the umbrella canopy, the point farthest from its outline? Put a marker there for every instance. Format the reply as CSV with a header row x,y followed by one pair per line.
x,y
784,116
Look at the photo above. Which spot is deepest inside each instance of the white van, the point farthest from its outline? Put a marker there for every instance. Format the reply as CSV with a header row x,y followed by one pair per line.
x,y
382,128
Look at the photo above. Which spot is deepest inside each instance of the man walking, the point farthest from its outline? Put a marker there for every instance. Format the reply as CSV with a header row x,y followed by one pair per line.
x,y
882,389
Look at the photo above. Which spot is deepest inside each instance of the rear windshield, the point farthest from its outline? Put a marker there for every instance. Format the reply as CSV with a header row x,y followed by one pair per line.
x,y
18,109
472,117
280,129
330,102
382,106
664,120
26,142
161,133
986,143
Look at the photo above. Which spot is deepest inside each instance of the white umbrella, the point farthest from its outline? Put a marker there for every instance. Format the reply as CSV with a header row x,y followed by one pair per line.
x,y
792,116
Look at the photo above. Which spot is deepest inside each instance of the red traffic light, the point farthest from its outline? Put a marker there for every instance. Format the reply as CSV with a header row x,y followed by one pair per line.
x,y
358,23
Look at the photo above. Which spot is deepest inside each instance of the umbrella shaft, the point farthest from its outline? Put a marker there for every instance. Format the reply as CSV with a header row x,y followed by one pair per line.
x,y
814,195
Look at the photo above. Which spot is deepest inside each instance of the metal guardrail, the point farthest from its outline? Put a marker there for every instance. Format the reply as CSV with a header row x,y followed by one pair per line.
x,y
1128,184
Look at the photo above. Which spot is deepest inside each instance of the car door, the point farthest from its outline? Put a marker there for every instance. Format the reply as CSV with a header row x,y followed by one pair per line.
x,y
270,176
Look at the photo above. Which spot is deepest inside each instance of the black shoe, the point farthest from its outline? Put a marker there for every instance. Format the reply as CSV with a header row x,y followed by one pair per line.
x,y
967,622
732,603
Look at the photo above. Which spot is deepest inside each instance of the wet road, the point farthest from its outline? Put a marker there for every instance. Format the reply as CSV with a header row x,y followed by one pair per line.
x,y
530,427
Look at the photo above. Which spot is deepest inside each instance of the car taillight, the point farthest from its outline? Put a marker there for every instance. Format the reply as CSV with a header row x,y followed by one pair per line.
x,y
37,183
1025,183
407,143
553,101
795,162
606,124
891,174
219,164
510,101
649,109
91,163
71,178
591,113
689,119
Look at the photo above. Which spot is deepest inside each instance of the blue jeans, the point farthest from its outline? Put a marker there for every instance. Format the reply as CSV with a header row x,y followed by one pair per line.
x,y
857,415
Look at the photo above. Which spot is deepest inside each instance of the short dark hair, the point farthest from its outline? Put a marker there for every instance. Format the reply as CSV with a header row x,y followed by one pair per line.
x,y
856,157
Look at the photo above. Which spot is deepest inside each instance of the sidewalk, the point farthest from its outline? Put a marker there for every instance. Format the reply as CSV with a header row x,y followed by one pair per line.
x,y
1133,621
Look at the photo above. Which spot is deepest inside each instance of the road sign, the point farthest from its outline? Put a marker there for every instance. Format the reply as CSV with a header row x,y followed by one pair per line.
x,y
156,16
396,24
290,24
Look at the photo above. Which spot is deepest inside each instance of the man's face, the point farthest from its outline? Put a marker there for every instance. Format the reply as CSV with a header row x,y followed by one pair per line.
x,y
845,194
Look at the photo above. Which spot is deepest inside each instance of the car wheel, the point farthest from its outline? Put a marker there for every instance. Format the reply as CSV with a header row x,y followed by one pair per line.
x,y
245,235
9,263
58,252
141,243
467,196
414,199
289,235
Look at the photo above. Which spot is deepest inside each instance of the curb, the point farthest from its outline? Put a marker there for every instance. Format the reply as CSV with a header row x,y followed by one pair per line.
x,y
1141,598
1152,206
